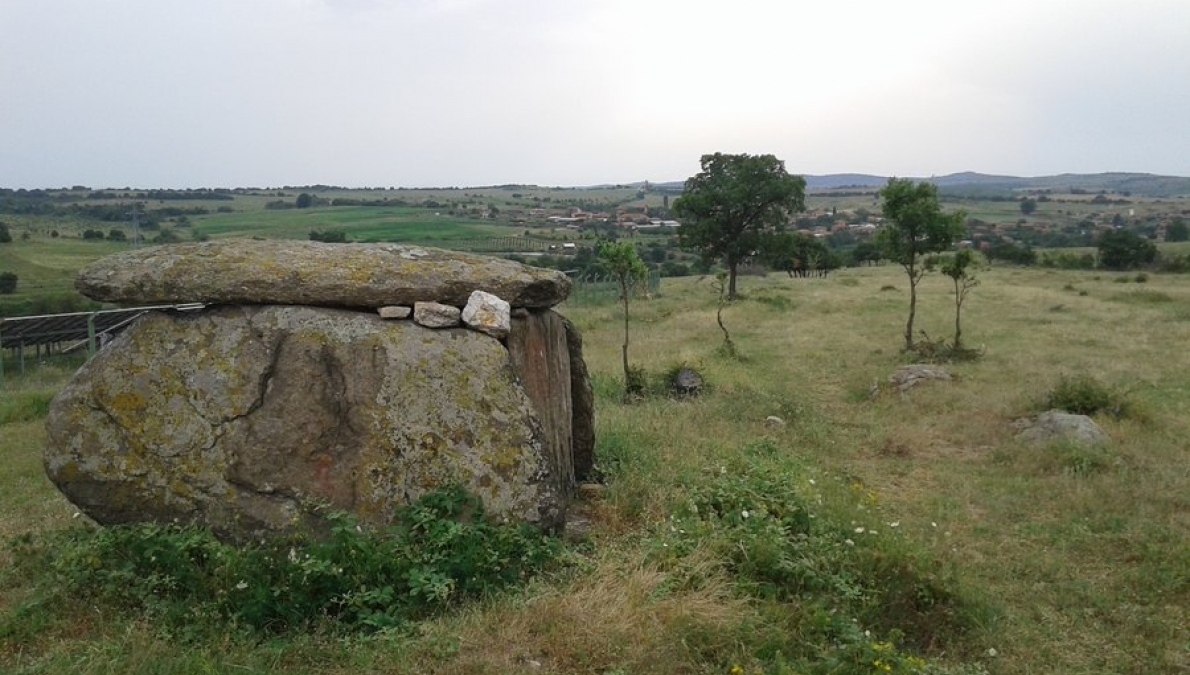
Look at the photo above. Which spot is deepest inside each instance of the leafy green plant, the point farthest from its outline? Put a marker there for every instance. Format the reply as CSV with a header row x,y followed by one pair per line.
x,y
779,545
25,406
439,551
1084,395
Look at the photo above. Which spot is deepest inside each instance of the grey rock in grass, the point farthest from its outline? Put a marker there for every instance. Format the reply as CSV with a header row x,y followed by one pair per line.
x,y
686,382
277,272
907,377
247,418
1060,426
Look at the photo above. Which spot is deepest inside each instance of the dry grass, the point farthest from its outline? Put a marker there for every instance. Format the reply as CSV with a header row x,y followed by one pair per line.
x,y
1085,554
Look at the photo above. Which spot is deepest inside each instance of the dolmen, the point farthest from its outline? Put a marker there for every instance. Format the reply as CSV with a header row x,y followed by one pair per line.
x,y
323,377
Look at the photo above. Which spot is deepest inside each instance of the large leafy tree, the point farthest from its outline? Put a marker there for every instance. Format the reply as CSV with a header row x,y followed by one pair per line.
x,y
916,227
728,207
1124,250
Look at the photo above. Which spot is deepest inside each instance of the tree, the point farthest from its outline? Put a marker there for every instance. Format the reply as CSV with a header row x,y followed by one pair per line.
x,y
797,254
329,236
8,282
728,206
304,201
620,258
916,227
1178,230
1028,206
960,269
5,235
1125,250
866,253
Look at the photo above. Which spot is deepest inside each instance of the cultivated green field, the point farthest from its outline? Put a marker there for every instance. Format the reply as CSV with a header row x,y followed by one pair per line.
x,y
948,542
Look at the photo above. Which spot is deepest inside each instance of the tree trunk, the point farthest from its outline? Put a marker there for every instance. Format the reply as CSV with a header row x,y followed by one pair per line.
x,y
627,377
913,279
732,266
958,311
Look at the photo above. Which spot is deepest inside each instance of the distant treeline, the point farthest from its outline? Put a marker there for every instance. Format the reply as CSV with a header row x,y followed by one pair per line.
x,y
118,212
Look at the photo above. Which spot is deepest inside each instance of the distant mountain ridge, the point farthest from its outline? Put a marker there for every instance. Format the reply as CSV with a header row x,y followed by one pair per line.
x,y
1143,184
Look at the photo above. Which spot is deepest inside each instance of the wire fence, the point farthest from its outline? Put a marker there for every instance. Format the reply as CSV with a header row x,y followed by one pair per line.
x,y
599,288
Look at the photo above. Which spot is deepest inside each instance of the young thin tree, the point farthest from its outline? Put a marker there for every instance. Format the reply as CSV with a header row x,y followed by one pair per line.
x,y
916,228
728,206
720,286
620,258
961,269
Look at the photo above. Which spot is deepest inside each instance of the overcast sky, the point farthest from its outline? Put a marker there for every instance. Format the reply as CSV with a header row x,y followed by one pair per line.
x,y
226,93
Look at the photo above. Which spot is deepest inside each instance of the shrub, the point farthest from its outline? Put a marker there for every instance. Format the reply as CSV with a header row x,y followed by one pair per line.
x,y
439,551
8,282
781,546
1084,395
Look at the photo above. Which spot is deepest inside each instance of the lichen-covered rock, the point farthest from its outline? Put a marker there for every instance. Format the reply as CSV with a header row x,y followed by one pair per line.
x,y
264,272
245,418
435,315
394,312
1057,426
488,313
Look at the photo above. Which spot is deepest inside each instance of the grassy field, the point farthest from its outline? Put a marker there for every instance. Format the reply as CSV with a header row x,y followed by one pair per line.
x,y
991,556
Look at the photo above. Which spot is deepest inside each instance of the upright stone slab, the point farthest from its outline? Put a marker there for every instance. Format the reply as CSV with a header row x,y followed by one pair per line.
x,y
582,401
245,418
540,355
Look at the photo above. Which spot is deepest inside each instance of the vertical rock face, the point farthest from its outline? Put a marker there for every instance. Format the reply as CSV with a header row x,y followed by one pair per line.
x,y
245,418
582,398
540,355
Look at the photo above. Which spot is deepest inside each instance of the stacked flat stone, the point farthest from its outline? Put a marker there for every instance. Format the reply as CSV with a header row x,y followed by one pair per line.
x,y
295,387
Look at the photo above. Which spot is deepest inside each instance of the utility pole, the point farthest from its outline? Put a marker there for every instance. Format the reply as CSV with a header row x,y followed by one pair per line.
x,y
135,213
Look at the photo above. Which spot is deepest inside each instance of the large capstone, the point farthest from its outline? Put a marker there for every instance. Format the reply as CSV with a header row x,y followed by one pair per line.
x,y
249,418
273,272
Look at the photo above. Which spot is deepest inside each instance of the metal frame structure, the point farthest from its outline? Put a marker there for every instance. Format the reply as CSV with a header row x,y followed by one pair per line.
x,y
66,333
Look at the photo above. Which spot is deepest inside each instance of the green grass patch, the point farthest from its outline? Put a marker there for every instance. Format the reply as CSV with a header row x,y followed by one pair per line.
x,y
1085,395
440,552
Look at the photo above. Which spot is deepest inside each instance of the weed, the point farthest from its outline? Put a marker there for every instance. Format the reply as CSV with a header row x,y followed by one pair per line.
x,y
1082,460
1143,297
440,551
25,406
777,302
1084,395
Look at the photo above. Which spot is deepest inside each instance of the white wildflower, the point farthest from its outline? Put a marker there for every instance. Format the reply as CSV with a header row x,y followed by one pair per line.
x,y
242,585
849,542
895,523
745,514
